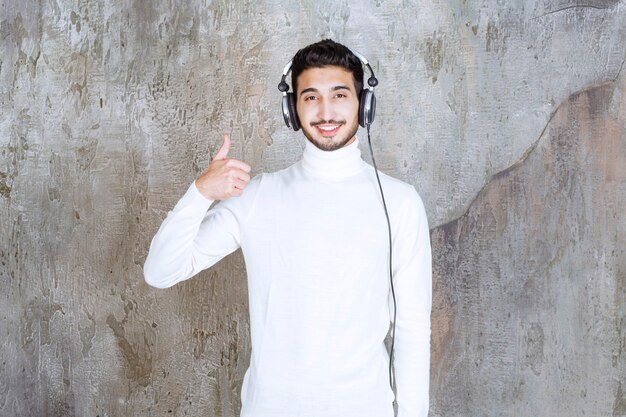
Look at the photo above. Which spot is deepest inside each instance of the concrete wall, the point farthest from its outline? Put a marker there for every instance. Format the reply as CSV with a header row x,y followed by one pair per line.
x,y
508,117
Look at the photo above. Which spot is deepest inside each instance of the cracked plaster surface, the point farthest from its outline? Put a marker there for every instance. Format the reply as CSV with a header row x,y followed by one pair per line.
x,y
110,109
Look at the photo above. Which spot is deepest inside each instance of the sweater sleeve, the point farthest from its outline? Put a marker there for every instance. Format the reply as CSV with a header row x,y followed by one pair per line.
x,y
412,277
193,238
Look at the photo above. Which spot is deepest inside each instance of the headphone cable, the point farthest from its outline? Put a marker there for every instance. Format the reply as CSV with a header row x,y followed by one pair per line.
x,y
392,375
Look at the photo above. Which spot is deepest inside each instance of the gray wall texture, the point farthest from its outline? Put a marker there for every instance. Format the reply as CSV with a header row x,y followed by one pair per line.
x,y
508,117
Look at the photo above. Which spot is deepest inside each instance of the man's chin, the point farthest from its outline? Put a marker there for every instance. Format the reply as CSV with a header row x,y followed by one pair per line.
x,y
328,144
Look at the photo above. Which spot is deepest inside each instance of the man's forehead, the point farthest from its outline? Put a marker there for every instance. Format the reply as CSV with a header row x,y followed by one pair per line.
x,y
326,77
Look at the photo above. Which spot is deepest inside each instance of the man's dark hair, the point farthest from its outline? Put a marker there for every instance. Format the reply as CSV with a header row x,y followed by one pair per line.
x,y
323,53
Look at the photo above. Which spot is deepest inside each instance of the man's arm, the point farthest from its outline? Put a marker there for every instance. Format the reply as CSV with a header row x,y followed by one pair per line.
x,y
192,237
412,278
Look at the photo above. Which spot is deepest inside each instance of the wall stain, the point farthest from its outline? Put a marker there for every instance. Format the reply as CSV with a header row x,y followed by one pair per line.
x,y
36,321
533,347
495,38
433,55
5,189
619,404
55,169
87,333
15,152
200,338
75,19
138,356
86,153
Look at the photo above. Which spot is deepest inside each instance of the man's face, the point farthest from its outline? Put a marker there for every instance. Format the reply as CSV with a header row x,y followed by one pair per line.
x,y
327,106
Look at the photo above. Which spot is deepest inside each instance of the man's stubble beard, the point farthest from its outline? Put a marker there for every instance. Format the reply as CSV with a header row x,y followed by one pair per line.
x,y
327,145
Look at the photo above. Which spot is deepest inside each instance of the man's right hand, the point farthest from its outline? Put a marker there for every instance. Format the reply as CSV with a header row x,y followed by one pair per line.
x,y
225,177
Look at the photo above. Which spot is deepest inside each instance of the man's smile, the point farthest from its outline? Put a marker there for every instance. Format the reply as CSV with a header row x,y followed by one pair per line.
x,y
327,129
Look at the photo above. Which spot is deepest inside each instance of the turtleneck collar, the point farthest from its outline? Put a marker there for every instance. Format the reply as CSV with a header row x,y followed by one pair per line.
x,y
340,163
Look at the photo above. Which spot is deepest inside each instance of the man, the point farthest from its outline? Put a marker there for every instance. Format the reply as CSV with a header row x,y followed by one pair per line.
x,y
315,241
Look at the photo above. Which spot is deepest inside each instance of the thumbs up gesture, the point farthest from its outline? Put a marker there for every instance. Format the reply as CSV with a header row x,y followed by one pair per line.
x,y
225,177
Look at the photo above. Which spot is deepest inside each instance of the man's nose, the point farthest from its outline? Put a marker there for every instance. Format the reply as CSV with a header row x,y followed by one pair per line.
x,y
326,110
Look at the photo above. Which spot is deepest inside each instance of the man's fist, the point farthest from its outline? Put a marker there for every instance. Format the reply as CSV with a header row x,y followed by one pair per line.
x,y
224,178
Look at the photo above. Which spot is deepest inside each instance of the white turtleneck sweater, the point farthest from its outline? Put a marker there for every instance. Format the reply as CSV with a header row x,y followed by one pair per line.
x,y
315,243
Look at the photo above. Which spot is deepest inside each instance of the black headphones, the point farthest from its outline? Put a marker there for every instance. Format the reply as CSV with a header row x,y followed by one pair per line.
x,y
367,100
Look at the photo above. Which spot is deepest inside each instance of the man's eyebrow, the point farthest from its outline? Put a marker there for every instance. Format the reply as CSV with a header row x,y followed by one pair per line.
x,y
315,90
309,90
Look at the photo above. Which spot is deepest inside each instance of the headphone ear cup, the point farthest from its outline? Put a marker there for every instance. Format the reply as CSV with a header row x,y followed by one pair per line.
x,y
289,112
367,107
293,114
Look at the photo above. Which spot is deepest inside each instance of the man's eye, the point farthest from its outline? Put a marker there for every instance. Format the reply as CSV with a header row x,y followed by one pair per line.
x,y
340,95
309,98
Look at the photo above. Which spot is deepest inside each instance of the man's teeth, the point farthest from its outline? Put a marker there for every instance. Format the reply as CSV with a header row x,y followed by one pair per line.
x,y
328,128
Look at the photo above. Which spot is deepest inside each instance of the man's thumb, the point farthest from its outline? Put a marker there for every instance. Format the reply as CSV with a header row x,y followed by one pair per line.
x,y
221,154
